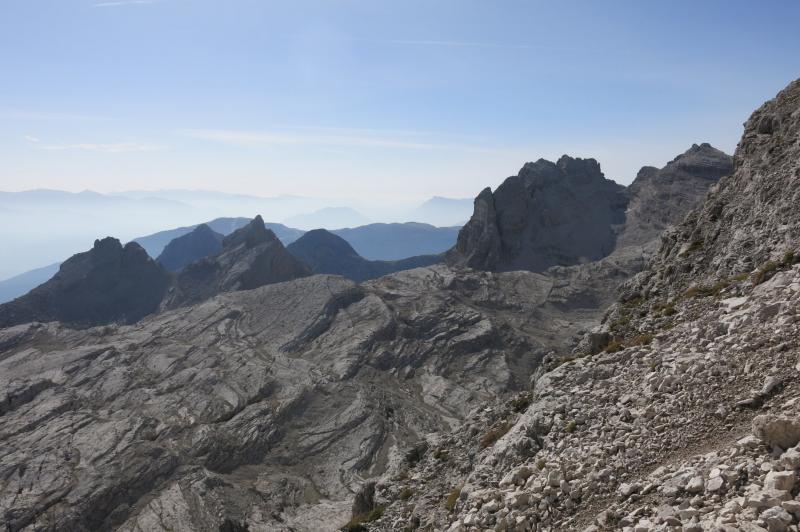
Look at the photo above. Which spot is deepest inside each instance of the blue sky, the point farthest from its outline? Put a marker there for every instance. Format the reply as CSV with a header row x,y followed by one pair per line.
x,y
372,99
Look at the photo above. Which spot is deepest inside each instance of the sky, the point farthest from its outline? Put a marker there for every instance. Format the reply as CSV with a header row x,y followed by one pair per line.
x,y
383,100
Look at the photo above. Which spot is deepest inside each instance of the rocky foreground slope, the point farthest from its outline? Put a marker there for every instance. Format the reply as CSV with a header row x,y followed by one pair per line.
x,y
689,419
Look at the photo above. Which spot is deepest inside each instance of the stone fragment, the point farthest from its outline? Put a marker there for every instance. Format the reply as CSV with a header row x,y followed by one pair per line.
x,y
781,431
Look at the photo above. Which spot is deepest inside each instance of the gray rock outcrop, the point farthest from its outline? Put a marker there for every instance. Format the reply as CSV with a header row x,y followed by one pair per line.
x,y
660,198
567,213
561,213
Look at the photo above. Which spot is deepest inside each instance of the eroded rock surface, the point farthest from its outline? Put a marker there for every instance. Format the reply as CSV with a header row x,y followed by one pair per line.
x,y
268,406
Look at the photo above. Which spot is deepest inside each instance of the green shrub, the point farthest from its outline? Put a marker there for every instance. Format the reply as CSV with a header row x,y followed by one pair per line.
x,y
356,523
642,339
570,426
521,402
697,245
442,455
765,272
491,437
614,346
406,493
452,498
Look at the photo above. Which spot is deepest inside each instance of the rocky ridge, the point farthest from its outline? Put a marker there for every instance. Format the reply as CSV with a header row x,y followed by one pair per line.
x,y
250,257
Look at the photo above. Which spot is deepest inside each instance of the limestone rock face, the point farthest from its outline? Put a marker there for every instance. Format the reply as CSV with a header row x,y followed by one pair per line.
x,y
250,257
550,214
201,242
105,284
325,252
751,216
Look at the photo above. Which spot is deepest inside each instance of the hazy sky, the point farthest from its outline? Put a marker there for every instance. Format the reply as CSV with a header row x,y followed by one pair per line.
x,y
372,98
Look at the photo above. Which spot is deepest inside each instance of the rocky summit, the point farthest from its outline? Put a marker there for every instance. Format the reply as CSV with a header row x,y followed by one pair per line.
x,y
550,214
567,213
592,357
660,198
108,283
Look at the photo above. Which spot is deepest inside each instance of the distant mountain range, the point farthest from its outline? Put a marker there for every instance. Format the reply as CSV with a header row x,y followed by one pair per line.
x,y
75,220
375,242
397,241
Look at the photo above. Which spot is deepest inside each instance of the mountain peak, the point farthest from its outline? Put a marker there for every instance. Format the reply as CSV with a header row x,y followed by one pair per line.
x,y
108,283
251,235
549,214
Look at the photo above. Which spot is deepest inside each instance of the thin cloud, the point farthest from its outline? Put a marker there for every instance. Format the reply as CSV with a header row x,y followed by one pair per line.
x,y
124,3
325,138
44,116
115,147
30,138
467,44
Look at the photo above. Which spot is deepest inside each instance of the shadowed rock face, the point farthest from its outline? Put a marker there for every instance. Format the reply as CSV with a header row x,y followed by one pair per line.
x,y
550,214
250,257
325,252
568,213
182,251
105,284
